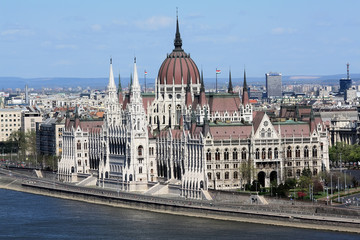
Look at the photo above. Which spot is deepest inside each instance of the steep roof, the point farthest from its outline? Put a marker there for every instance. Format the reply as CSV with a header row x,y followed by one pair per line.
x,y
221,102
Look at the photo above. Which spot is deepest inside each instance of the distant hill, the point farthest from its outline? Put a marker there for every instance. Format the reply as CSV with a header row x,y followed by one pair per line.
x,y
54,82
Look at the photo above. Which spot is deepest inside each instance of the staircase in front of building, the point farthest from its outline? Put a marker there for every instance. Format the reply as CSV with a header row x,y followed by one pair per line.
x,y
89,181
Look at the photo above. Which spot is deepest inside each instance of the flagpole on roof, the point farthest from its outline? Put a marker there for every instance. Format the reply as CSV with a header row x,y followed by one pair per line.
x,y
216,81
145,80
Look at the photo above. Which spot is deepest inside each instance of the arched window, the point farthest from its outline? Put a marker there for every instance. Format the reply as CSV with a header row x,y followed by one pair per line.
x,y
257,153
208,155
78,145
314,152
236,175
289,173
217,154
276,153
269,132
306,152
297,152
235,154
226,175
315,172
140,169
218,176
298,172
269,153
263,153
209,175
243,154
140,150
262,133
289,152
226,154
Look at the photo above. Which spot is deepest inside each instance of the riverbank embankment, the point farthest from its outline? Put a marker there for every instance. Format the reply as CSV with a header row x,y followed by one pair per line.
x,y
242,213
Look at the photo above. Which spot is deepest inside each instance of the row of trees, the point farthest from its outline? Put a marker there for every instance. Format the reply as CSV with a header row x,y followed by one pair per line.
x,y
24,146
347,153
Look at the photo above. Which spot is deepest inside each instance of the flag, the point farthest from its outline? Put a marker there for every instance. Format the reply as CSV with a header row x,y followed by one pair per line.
x,y
145,72
218,71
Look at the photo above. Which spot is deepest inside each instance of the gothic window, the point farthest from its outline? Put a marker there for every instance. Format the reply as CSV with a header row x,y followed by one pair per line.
x,y
140,150
217,154
140,170
208,155
218,176
269,153
276,153
315,172
226,154
236,175
298,172
78,145
85,146
263,153
257,153
289,173
226,175
163,119
79,162
262,133
243,154
289,152
209,175
297,152
314,152
235,154
269,132
306,152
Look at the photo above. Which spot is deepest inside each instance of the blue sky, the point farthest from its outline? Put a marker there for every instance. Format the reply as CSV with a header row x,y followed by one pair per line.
x,y
70,38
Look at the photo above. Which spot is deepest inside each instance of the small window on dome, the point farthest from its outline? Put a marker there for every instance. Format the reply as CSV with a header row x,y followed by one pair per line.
x,y
178,96
170,96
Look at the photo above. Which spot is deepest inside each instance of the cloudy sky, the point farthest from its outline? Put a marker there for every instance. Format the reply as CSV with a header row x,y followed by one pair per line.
x,y
70,38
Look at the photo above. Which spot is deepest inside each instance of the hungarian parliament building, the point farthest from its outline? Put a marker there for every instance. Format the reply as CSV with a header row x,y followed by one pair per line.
x,y
183,140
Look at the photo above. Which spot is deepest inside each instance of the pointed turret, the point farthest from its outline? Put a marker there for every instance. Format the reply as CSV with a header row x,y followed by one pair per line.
x,y
135,85
177,41
188,100
230,87
119,92
111,86
245,95
202,90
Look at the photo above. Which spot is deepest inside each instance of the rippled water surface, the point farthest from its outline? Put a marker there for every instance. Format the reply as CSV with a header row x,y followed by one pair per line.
x,y
28,216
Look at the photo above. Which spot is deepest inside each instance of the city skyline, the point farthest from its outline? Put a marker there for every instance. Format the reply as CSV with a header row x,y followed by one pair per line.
x,y
73,39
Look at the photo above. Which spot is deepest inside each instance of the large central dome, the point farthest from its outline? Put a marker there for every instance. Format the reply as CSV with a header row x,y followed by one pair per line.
x,y
178,65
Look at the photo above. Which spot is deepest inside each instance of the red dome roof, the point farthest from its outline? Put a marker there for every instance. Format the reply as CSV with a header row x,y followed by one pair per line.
x,y
178,65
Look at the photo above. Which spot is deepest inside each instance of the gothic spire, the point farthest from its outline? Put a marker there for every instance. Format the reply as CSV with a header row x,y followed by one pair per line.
x,y
119,86
245,94
230,87
111,85
202,88
177,41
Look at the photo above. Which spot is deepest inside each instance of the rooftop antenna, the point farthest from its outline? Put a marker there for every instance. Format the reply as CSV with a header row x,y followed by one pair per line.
x,y
348,74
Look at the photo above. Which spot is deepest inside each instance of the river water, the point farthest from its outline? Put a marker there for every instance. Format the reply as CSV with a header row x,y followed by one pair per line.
x,y
29,216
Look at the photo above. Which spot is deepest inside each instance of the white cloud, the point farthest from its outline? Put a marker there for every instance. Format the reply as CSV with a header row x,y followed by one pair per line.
x,y
155,23
17,32
96,27
66,46
281,30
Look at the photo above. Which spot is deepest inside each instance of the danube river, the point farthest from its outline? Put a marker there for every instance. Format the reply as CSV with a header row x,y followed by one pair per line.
x,y
28,216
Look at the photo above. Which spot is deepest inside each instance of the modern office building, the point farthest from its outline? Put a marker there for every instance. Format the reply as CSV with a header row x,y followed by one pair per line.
x,y
273,84
10,121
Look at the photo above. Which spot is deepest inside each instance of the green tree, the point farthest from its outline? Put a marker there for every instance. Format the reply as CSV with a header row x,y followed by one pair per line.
x,y
247,171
